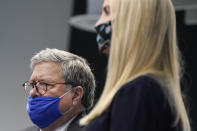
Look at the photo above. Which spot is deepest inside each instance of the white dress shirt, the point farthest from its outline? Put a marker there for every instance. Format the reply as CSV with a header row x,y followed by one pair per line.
x,y
65,126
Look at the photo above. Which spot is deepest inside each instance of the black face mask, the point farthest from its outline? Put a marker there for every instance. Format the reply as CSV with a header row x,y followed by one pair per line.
x,y
103,38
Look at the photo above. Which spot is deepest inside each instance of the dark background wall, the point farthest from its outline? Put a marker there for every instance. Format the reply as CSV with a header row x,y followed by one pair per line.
x,y
187,41
83,43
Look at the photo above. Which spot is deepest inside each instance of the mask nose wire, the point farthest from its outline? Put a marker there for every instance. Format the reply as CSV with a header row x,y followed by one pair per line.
x,y
65,93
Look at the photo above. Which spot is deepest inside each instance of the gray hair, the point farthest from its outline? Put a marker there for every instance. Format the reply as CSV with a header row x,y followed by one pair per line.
x,y
75,70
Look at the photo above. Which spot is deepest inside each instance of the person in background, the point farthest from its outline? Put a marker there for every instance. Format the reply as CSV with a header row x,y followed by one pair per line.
x,y
103,39
142,90
60,90
104,31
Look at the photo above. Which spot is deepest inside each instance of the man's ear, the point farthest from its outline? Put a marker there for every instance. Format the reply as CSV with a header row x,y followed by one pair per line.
x,y
78,94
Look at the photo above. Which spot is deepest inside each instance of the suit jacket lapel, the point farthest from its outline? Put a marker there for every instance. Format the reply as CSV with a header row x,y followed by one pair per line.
x,y
74,125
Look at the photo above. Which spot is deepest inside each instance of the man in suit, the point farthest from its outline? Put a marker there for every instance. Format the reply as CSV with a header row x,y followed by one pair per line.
x,y
60,90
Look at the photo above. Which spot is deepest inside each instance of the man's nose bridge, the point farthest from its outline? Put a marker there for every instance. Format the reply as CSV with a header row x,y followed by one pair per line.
x,y
33,91
36,86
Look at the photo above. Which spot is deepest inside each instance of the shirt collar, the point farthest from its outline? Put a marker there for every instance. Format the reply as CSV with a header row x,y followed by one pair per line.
x,y
65,126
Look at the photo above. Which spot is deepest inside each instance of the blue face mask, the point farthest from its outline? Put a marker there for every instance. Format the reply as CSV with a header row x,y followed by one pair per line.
x,y
44,110
103,37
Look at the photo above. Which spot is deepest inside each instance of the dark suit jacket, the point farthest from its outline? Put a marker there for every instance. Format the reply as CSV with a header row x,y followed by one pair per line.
x,y
74,125
140,105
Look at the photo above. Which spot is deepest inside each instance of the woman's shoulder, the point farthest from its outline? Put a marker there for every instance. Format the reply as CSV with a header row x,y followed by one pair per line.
x,y
143,88
142,93
145,83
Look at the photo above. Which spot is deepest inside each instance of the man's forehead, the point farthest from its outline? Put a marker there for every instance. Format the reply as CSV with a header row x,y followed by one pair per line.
x,y
46,71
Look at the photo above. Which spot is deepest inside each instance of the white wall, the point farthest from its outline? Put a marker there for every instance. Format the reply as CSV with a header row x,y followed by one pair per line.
x,y
26,27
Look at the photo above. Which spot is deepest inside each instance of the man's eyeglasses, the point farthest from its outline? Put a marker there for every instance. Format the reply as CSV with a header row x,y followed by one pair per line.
x,y
41,87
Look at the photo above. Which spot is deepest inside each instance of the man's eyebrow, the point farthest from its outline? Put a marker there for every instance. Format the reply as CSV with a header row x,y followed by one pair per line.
x,y
42,80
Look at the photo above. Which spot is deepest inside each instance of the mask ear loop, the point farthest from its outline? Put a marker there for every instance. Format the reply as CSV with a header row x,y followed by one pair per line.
x,y
65,93
71,108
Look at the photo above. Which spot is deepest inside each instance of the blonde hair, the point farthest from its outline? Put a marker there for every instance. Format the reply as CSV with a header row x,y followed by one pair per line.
x,y
143,42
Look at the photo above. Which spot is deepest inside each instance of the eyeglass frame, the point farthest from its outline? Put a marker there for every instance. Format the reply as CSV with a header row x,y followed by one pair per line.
x,y
46,86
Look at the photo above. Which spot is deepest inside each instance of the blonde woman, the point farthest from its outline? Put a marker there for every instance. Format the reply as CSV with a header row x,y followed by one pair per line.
x,y
142,90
